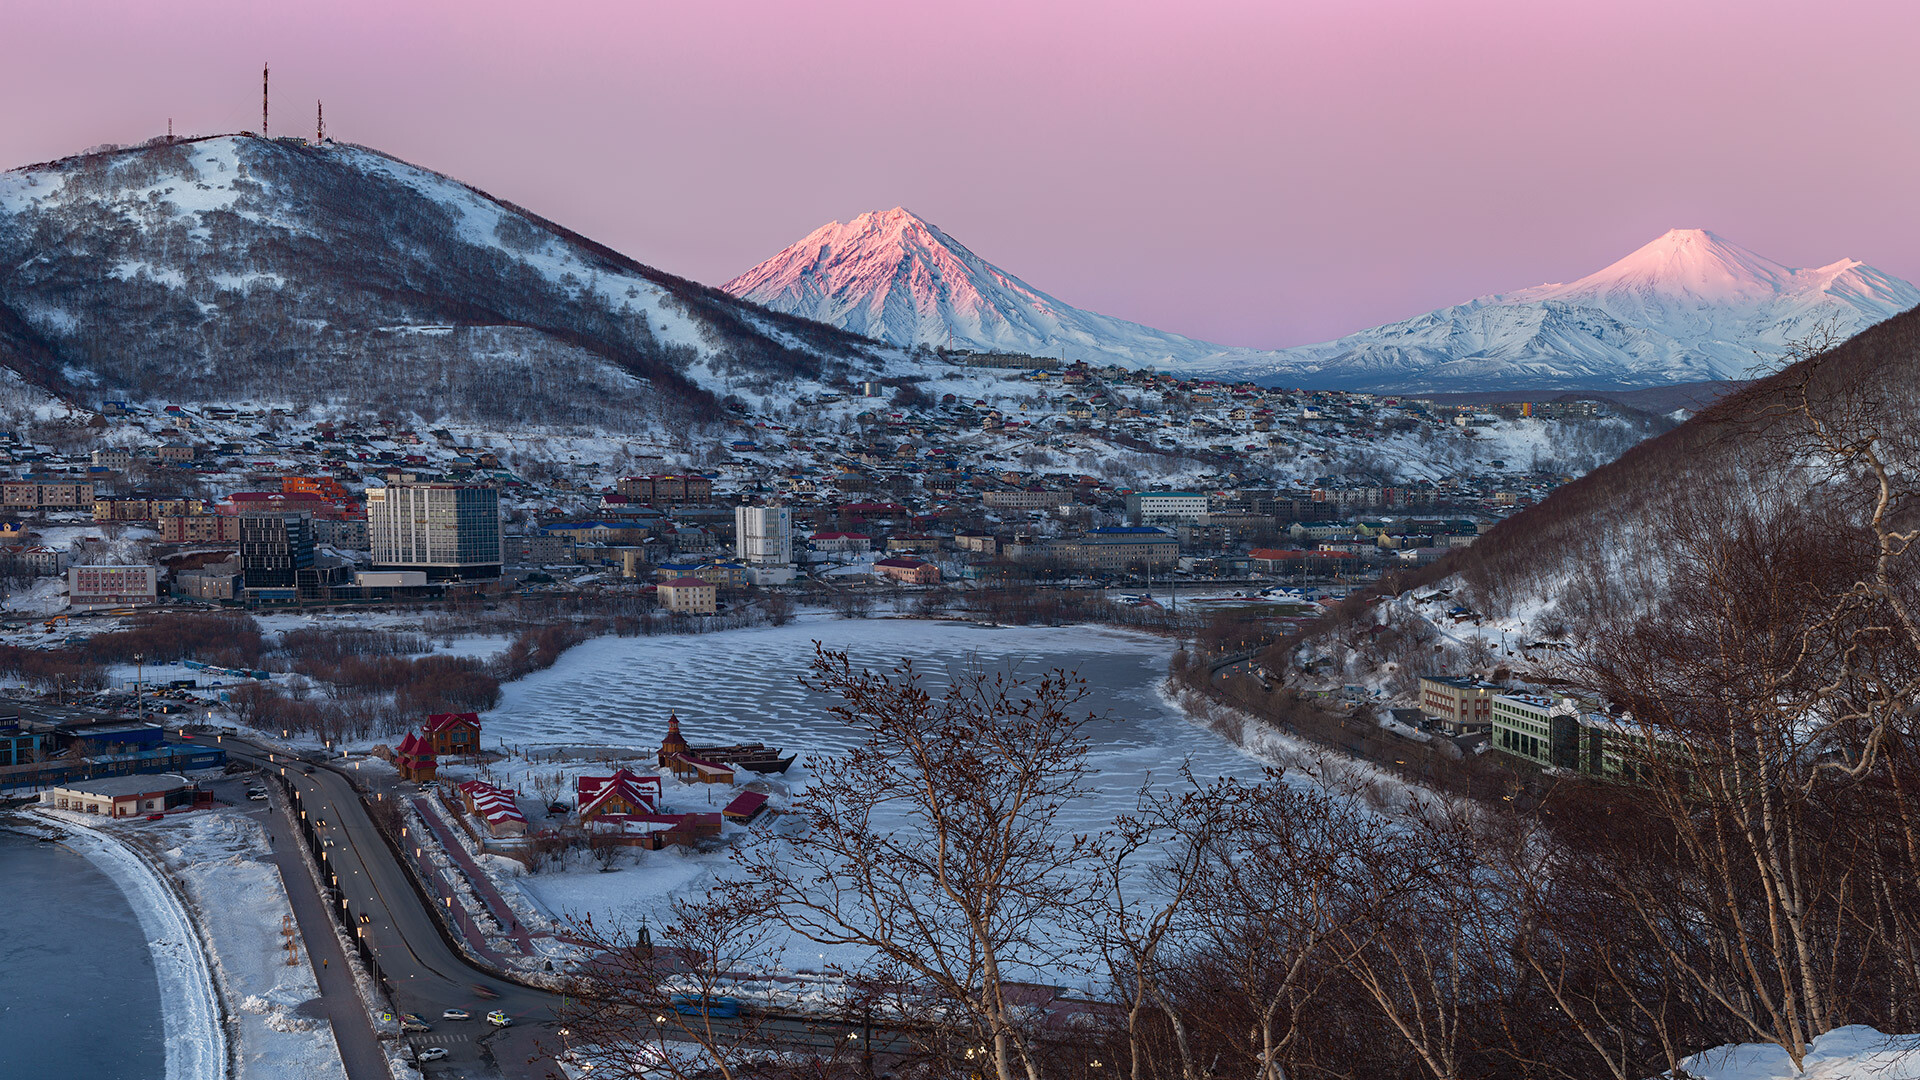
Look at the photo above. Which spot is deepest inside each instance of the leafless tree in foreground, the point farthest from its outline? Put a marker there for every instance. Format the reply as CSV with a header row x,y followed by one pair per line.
x,y
1771,696
645,1004
936,845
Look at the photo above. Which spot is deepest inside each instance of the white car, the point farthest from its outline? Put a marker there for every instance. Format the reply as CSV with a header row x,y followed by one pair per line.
x,y
456,1014
499,1018
433,1053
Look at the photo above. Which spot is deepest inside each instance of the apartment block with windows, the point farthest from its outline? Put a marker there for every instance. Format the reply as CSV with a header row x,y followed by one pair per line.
x,y
451,531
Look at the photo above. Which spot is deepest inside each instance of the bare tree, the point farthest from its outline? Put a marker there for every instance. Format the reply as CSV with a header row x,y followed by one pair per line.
x,y
654,1001
936,847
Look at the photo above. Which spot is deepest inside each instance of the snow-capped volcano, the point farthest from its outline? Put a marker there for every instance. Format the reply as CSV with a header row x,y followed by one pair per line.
x,y
1687,307
893,276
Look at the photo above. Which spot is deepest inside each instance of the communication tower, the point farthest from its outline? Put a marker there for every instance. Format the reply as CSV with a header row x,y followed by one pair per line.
x,y
263,100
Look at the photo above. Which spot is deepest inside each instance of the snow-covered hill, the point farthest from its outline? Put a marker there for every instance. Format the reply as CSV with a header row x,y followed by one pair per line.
x,y
1690,306
274,271
1687,307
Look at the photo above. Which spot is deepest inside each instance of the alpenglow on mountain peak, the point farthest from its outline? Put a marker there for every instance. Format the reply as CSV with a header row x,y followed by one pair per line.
x,y
1687,306
896,277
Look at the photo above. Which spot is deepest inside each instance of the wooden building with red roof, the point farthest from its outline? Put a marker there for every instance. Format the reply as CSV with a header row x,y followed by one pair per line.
x,y
454,732
415,759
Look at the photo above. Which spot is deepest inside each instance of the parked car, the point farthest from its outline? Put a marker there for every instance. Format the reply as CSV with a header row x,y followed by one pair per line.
x,y
433,1053
456,1014
256,794
499,1018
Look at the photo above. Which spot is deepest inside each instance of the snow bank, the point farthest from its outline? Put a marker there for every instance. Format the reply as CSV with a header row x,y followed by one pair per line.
x,y
1857,1052
196,1040
218,856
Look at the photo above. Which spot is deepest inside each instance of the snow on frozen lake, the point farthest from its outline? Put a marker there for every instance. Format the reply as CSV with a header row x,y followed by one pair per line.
x,y
740,686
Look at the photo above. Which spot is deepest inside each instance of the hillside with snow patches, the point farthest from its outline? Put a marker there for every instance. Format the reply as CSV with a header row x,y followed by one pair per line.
x,y
274,271
1689,306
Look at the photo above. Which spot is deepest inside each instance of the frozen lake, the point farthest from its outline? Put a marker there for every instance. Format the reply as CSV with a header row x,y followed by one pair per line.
x,y
741,686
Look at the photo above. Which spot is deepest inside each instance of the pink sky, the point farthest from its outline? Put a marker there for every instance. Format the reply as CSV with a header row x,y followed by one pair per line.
x,y
1251,173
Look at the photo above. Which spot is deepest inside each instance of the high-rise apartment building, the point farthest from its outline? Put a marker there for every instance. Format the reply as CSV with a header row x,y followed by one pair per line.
x,y
763,534
274,548
451,531
763,539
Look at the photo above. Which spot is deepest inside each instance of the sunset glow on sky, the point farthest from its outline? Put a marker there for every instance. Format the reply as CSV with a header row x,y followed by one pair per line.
x,y
1249,173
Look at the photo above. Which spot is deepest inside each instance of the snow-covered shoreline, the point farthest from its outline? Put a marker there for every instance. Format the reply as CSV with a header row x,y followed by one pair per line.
x,y
190,1006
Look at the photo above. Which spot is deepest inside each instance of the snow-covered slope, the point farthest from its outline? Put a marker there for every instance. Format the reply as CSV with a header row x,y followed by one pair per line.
x,y
894,277
1690,306
242,268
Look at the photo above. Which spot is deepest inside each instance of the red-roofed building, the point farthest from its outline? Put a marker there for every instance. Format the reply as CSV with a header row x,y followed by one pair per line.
x,y
654,831
415,759
498,810
619,795
690,594
688,767
911,571
453,732
745,807
840,541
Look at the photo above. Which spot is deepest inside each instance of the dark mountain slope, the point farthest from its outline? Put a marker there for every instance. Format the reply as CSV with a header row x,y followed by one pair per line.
x,y
238,268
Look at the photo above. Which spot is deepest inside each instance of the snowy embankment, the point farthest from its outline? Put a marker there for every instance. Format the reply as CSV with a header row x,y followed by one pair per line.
x,y
219,856
190,1008
1849,1053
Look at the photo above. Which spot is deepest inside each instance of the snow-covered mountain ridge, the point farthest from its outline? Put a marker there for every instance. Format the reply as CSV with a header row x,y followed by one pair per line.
x,y
1689,306
271,270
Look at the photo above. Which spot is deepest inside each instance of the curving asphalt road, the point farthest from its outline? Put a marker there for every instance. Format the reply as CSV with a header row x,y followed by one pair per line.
x,y
426,975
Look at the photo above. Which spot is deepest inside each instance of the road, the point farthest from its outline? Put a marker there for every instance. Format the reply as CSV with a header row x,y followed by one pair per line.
x,y
427,975
360,1049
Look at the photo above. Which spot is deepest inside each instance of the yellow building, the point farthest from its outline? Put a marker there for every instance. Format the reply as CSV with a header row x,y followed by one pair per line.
x,y
689,594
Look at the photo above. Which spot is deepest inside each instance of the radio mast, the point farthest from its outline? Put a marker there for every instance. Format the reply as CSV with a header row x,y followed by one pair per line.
x,y
319,121
263,100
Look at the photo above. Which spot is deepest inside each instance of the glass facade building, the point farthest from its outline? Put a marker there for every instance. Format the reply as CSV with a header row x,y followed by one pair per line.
x,y
451,531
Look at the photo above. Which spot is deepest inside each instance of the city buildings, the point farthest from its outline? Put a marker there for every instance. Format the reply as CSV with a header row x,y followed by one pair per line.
x,y
451,531
763,539
122,796
1536,728
1120,548
274,548
692,595
1151,507
1462,706
909,571
90,587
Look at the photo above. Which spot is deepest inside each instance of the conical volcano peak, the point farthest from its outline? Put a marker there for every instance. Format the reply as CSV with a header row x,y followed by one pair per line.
x,y
1691,264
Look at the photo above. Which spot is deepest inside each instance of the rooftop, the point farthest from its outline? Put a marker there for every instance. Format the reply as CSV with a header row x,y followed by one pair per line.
x,y
118,787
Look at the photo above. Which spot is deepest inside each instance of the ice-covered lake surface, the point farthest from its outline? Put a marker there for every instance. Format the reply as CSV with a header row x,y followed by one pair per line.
x,y
742,686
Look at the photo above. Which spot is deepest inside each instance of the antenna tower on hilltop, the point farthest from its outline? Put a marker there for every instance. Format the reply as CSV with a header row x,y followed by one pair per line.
x,y
319,122
263,100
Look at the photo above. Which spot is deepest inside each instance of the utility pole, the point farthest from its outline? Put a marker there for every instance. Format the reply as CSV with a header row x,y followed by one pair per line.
x,y
263,100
